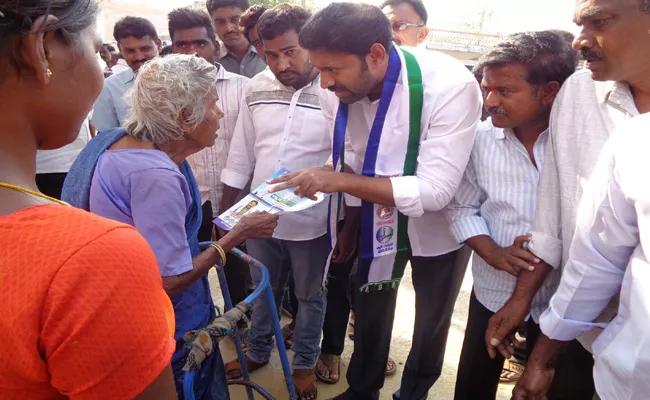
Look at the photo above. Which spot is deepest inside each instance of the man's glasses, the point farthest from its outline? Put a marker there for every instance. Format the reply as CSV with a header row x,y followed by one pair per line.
x,y
401,26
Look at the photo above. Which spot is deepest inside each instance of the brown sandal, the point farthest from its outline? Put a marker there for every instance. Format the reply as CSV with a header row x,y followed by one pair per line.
x,y
391,367
287,336
333,364
305,387
511,372
234,371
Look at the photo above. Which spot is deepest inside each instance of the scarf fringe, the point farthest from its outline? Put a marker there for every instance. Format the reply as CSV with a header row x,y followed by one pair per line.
x,y
372,286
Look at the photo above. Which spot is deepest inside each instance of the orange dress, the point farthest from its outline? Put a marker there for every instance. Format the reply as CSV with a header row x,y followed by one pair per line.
x,y
82,311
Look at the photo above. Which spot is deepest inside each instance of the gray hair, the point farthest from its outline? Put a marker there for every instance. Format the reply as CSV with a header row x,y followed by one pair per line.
x,y
165,89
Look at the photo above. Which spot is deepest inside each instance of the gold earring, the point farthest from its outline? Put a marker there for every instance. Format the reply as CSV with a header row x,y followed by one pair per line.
x,y
48,73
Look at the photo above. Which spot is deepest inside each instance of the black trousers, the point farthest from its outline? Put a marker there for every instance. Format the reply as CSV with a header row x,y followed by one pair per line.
x,y
51,184
478,375
436,281
339,302
236,270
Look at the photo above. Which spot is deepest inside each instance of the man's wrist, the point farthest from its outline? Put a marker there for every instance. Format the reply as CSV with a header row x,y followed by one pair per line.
x,y
341,182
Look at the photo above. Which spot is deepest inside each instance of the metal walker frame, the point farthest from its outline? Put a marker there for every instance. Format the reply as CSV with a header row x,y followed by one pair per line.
x,y
264,288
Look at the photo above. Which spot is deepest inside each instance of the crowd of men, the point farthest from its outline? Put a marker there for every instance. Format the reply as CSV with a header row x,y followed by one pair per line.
x,y
544,193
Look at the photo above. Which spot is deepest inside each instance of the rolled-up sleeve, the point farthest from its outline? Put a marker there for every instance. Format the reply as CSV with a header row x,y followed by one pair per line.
x,y
464,211
444,152
545,234
605,238
241,156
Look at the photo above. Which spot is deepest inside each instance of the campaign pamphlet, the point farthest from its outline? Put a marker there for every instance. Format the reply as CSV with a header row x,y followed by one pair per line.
x,y
282,202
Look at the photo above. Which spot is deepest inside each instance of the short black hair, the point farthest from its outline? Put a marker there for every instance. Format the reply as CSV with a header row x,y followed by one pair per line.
x,y
280,19
134,27
109,47
417,5
166,50
547,56
187,18
566,35
250,18
212,5
347,28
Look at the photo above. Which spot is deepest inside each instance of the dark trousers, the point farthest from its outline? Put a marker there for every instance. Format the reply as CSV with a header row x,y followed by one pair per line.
x,y
236,270
436,281
478,375
339,302
51,184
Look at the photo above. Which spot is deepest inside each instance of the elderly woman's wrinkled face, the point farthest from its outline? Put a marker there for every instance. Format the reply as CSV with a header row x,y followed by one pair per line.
x,y
205,133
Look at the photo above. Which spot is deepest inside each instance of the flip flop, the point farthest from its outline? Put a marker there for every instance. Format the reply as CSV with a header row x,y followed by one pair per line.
x,y
234,371
306,387
332,362
511,372
391,367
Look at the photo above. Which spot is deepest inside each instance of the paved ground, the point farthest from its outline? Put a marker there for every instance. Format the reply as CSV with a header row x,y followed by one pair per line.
x,y
271,378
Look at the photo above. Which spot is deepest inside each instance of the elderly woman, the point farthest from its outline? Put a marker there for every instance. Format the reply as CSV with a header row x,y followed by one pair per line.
x,y
84,315
139,176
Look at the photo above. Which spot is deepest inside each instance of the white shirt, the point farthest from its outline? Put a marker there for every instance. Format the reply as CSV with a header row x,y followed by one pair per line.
x,y
609,253
497,198
451,111
208,163
60,160
121,66
280,127
584,114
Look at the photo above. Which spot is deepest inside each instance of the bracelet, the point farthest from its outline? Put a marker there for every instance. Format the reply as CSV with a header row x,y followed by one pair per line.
x,y
222,254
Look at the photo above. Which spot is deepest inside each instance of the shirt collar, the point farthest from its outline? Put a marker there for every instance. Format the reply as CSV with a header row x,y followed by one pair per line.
x,y
502,132
617,94
222,74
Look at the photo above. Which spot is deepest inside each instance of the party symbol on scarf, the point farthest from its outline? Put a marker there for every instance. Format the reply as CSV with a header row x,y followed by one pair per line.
x,y
385,212
384,234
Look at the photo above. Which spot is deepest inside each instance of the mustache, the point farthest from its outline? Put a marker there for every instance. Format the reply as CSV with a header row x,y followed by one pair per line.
x,y
585,54
289,72
498,111
339,88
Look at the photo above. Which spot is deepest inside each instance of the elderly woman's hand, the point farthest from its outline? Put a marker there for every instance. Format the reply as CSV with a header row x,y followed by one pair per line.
x,y
257,225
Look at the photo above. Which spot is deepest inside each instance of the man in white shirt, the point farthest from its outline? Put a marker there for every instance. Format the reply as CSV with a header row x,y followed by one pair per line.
x,y
191,33
52,166
281,125
409,21
609,253
591,103
493,208
138,42
407,121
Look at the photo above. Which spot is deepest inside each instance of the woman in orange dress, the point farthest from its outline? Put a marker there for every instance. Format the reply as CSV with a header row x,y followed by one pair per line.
x,y
84,314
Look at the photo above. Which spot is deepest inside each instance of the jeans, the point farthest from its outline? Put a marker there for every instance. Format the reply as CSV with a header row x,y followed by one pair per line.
x,y
306,260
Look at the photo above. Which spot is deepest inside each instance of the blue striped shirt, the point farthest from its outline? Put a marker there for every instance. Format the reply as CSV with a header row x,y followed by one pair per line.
x,y
497,198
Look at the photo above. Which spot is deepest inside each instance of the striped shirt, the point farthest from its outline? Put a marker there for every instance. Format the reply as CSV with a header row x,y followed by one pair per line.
x,y
497,198
280,127
208,163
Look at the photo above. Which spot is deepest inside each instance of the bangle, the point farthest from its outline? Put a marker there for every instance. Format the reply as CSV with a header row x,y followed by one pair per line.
x,y
222,254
